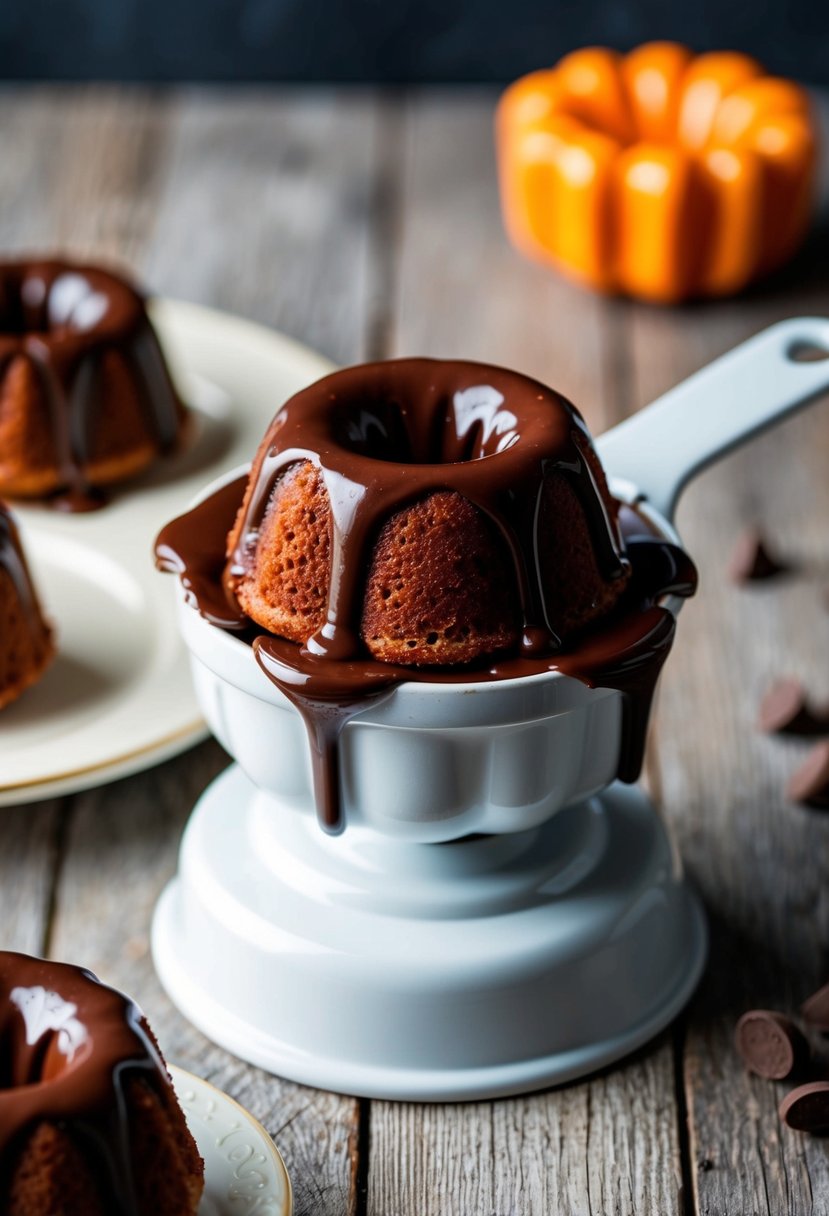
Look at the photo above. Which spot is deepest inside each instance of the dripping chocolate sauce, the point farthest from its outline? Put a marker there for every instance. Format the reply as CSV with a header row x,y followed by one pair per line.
x,y
385,435
69,1049
64,318
13,565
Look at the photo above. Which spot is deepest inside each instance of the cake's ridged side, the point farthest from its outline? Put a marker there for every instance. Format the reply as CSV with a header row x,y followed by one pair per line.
x,y
440,587
52,1178
575,590
26,645
167,1168
285,586
120,444
54,1175
28,457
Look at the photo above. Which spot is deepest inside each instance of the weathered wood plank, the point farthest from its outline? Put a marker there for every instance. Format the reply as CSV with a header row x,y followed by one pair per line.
x,y
80,170
611,1144
267,208
30,848
758,862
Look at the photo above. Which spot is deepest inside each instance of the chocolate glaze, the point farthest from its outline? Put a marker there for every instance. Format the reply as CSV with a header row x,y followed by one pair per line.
x,y
13,564
64,318
69,1046
387,434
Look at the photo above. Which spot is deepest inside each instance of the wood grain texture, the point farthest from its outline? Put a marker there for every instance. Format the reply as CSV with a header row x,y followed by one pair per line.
x,y
759,862
267,209
30,853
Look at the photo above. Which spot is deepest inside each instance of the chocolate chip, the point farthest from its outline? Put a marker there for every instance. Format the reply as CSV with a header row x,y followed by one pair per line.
x,y
751,560
806,1109
815,1010
770,1044
785,710
809,786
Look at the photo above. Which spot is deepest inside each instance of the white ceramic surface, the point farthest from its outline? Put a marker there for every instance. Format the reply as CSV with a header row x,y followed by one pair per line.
x,y
244,1174
384,963
430,973
118,697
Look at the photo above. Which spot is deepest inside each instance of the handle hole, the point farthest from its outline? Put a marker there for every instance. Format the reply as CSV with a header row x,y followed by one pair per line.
x,y
801,351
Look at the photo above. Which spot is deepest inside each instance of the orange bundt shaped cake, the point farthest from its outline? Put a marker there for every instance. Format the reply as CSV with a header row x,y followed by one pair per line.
x,y
89,1121
431,512
26,646
85,395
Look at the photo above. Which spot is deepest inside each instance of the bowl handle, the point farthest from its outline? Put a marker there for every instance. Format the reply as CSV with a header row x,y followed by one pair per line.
x,y
718,408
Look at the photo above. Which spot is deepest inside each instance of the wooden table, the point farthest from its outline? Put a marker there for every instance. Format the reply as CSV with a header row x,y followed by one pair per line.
x,y
368,225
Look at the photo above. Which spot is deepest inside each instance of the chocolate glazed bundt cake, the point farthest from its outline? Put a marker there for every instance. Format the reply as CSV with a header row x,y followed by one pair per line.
x,y
431,512
85,395
89,1121
429,521
26,645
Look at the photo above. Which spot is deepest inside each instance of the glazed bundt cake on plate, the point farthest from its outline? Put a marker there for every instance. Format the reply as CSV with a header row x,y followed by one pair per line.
x,y
85,395
89,1121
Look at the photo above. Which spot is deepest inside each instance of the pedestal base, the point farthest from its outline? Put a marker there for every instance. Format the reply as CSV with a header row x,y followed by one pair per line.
x,y
474,969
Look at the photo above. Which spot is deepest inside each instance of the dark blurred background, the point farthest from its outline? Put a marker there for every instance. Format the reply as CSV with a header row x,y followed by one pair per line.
x,y
395,41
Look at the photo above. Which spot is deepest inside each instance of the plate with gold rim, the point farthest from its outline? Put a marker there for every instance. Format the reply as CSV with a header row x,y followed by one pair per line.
x,y
118,697
244,1174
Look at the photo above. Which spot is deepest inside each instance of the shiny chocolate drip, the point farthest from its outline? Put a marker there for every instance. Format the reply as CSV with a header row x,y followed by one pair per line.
x,y
13,565
387,434
64,318
380,436
69,1047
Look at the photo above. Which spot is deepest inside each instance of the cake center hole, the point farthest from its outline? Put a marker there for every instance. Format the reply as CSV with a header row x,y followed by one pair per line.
x,y
471,424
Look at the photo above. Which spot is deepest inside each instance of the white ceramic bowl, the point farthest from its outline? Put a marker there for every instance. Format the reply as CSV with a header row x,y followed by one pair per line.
x,y
432,762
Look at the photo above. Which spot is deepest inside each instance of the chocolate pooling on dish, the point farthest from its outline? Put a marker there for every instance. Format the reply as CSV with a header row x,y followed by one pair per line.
x,y
69,1047
64,318
389,434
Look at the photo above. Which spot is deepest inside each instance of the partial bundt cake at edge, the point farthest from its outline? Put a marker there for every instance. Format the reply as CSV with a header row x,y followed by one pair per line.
x,y
26,643
85,395
440,583
89,1121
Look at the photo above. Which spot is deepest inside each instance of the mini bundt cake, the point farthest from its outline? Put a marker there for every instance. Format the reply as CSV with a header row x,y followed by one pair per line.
x,y
89,1121
85,395
26,646
432,512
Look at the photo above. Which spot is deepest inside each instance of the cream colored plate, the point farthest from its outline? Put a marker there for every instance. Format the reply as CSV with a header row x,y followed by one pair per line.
x,y
118,697
244,1174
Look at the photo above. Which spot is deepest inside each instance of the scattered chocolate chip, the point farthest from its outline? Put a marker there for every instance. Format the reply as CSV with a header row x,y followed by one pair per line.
x,y
809,786
785,710
751,560
770,1044
806,1109
815,1010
